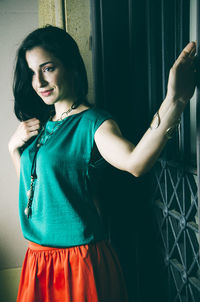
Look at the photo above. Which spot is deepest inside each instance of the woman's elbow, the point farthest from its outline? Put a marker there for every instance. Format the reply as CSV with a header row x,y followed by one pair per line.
x,y
137,171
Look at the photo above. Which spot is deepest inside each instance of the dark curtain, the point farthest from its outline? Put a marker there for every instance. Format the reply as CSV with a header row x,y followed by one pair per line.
x,y
134,46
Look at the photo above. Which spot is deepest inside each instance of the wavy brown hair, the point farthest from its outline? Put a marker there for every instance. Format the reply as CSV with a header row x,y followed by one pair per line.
x,y
27,104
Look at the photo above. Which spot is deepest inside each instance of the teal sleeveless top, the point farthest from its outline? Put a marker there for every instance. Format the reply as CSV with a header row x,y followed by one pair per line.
x,y
63,210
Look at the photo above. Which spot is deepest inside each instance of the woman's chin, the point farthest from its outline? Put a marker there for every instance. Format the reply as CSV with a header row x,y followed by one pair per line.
x,y
48,101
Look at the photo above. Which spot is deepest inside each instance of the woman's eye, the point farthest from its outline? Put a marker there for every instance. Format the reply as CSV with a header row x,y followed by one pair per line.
x,y
48,69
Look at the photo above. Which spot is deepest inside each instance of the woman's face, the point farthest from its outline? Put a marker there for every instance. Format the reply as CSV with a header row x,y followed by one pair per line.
x,y
50,80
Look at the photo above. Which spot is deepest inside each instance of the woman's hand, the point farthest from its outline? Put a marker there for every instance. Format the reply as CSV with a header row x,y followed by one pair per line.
x,y
23,133
182,76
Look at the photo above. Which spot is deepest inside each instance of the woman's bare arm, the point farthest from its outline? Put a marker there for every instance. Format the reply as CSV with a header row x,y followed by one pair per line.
x,y
138,159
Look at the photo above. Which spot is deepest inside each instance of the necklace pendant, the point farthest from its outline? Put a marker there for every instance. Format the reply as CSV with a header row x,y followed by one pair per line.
x,y
28,194
27,212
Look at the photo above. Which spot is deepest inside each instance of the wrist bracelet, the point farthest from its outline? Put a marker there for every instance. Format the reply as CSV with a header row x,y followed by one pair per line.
x,y
156,122
171,130
157,118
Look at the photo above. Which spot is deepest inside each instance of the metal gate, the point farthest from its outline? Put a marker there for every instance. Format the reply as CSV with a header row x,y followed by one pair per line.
x,y
175,189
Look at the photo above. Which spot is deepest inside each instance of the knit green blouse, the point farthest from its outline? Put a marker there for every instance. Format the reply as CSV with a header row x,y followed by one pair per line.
x,y
63,211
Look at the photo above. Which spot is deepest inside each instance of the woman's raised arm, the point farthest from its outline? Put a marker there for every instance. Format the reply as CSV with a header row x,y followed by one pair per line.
x,y
140,158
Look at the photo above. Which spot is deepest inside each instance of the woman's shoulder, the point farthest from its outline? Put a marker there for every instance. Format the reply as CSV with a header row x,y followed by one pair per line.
x,y
94,117
96,113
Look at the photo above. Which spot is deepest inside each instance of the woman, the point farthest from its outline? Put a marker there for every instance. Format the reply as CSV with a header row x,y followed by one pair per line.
x,y
59,151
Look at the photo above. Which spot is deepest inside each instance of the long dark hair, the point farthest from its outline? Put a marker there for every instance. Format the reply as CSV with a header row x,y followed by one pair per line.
x,y
27,103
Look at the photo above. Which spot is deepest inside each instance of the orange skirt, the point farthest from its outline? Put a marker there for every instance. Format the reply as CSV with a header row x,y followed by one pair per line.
x,y
87,273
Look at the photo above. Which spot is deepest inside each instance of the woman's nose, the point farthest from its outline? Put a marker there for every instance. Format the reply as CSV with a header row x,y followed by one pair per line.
x,y
41,81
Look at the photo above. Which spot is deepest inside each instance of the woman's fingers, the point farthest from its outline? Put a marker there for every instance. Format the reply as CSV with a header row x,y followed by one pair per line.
x,y
31,122
189,49
193,51
187,53
33,133
29,129
182,77
34,127
25,131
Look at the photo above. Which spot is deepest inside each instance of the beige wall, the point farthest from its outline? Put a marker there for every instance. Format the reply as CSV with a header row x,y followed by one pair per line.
x,y
17,18
79,26
9,280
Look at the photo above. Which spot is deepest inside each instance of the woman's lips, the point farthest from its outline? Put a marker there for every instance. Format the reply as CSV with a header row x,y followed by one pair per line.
x,y
46,92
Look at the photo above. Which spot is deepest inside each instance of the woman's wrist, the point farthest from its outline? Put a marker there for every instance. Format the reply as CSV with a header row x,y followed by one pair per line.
x,y
178,103
167,119
171,110
168,132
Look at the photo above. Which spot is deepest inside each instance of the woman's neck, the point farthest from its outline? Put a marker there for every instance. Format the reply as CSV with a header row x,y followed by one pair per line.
x,y
61,108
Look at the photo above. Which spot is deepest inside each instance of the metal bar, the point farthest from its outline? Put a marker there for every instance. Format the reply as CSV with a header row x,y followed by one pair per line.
x,y
98,51
64,12
195,282
178,290
175,193
103,50
96,46
180,165
154,97
130,42
198,112
191,293
149,57
184,144
177,265
193,226
163,47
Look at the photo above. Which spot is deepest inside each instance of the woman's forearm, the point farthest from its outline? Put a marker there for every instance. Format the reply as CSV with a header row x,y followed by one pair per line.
x,y
181,86
152,143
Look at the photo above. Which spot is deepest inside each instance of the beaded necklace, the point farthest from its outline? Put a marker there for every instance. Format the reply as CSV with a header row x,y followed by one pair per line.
x,y
41,141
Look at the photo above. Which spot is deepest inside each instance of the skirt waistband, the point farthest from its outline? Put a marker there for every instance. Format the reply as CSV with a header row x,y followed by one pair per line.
x,y
37,247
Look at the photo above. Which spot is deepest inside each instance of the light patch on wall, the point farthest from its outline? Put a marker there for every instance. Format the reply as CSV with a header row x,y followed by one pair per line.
x,y
9,281
79,26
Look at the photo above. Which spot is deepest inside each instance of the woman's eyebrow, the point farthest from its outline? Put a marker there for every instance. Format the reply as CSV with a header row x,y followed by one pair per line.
x,y
43,64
